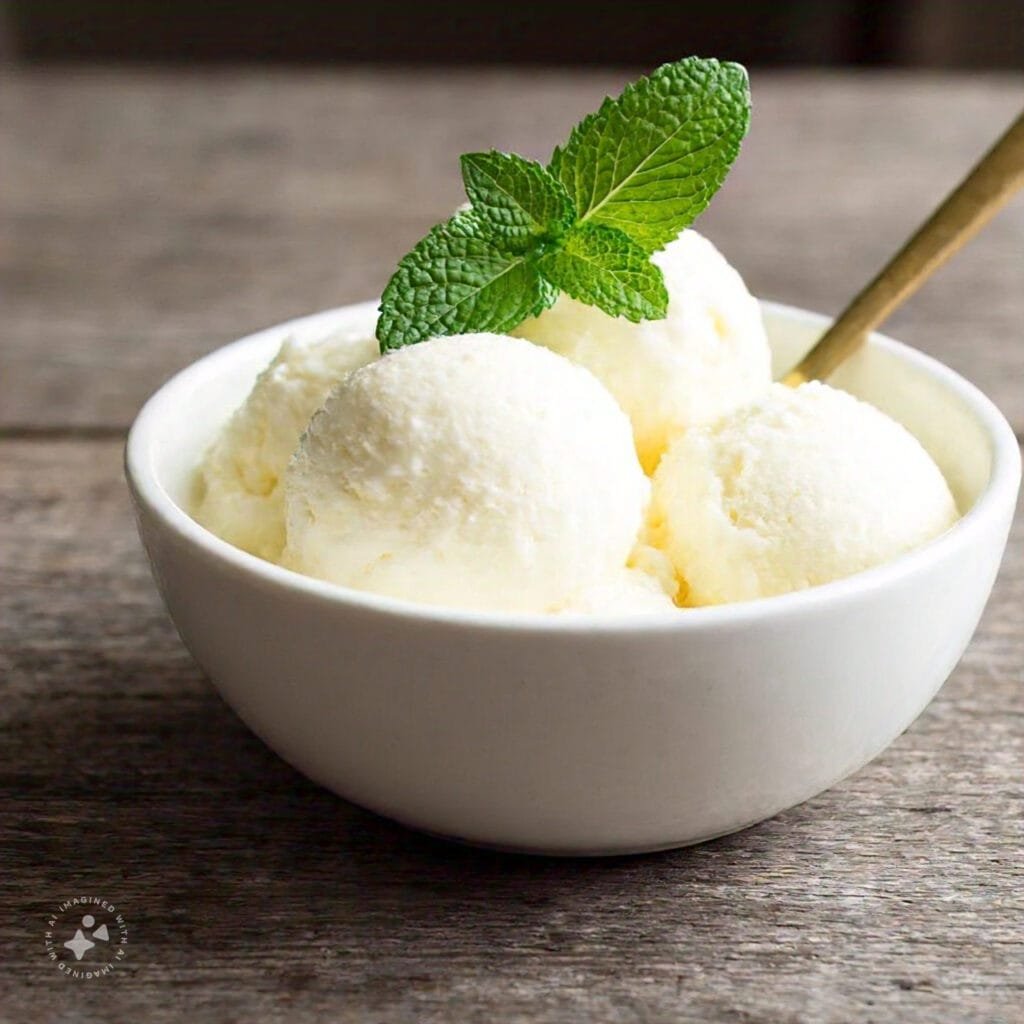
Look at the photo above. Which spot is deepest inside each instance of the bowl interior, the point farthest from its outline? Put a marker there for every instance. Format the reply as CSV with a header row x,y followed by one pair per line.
x,y
914,390
906,385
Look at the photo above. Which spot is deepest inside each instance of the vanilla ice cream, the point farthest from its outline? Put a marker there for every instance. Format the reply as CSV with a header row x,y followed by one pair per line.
x,y
241,479
800,488
628,592
477,471
706,358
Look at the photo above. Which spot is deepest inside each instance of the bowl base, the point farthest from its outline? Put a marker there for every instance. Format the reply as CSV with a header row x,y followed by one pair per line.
x,y
585,852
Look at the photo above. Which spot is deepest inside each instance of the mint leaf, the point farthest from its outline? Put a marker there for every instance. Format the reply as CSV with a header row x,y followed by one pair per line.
x,y
630,178
456,281
649,161
604,267
518,201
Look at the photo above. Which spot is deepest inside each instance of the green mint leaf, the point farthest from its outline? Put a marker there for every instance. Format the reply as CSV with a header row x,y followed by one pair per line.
x,y
518,201
631,177
456,281
649,161
604,267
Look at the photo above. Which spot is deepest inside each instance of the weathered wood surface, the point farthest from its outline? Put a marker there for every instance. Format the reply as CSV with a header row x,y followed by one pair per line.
x,y
145,220
254,895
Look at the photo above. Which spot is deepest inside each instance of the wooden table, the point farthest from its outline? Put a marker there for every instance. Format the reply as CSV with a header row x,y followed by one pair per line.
x,y
147,218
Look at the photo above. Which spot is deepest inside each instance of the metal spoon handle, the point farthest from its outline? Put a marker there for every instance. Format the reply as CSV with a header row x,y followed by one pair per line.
x,y
998,175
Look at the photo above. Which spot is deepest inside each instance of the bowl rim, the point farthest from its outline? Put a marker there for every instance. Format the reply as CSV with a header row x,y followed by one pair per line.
x,y
151,498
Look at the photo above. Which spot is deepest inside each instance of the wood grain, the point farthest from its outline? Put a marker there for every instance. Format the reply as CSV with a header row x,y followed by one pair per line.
x,y
145,219
254,895
148,218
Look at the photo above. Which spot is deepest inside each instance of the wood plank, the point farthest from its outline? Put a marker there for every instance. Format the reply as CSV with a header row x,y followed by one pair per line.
x,y
147,217
253,895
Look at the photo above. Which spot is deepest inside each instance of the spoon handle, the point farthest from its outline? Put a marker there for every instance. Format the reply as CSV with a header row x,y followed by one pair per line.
x,y
998,175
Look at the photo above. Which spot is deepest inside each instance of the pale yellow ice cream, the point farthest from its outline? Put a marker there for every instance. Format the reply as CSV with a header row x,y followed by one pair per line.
x,y
629,592
706,358
241,478
476,471
800,488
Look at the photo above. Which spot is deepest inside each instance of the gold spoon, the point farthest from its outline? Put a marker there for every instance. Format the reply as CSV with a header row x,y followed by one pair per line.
x,y
970,206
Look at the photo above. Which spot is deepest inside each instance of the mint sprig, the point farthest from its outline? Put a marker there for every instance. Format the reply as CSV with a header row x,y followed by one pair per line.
x,y
519,201
630,178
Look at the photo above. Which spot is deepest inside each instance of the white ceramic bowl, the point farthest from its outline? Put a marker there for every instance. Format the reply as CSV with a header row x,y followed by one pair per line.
x,y
580,735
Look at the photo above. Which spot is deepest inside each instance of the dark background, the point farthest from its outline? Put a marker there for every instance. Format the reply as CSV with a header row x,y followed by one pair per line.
x,y
908,33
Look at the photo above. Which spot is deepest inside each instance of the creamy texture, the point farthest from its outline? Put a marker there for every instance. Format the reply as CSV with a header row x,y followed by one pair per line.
x,y
477,471
706,358
628,592
483,471
241,478
803,487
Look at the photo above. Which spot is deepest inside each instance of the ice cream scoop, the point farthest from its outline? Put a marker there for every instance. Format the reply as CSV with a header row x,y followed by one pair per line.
x,y
810,485
707,357
241,477
802,487
476,471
